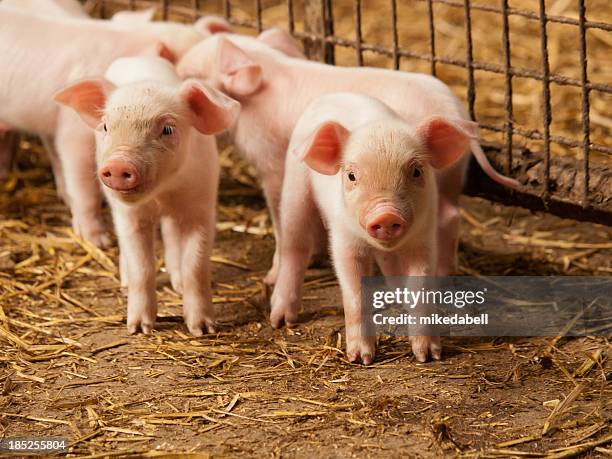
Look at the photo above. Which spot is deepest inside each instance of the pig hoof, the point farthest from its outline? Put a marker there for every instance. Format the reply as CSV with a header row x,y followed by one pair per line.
x,y
201,328
424,347
145,326
363,351
282,316
100,240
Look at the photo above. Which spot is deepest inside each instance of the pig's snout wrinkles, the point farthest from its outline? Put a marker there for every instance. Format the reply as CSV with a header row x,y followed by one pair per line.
x,y
385,224
120,175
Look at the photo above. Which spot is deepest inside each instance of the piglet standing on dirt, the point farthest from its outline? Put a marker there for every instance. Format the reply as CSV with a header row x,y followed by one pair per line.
x,y
371,177
40,55
157,159
274,84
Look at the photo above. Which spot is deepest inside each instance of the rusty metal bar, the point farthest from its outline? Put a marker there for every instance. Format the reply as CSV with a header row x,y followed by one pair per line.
x,y
328,30
258,15
227,10
508,85
471,91
432,37
357,9
290,17
546,115
395,37
584,79
165,10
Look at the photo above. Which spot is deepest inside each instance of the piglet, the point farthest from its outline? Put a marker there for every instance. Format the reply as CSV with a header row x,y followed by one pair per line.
x,y
157,159
371,177
261,72
40,55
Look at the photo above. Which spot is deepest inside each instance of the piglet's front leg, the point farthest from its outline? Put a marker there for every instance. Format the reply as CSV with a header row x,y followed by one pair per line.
x,y
417,264
351,265
136,240
196,246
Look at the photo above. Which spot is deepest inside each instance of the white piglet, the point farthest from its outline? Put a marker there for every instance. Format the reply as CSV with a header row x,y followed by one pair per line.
x,y
157,159
371,177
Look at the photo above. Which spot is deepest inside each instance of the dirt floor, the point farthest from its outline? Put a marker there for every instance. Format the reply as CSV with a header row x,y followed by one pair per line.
x,y
70,369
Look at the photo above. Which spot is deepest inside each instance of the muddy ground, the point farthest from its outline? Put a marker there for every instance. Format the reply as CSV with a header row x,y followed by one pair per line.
x,y
69,368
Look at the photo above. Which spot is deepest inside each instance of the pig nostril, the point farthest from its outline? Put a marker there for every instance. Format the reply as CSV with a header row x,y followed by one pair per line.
x,y
127,175
396,226
107,174
376,227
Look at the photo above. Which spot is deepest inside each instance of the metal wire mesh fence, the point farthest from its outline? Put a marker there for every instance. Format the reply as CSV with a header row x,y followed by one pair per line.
x,y
565,173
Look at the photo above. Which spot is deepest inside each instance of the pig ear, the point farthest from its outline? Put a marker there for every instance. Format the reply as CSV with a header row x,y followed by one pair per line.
x,y
87,98
211,111
240,75
446,140
134,17
282,41
323,151
212,24
164,52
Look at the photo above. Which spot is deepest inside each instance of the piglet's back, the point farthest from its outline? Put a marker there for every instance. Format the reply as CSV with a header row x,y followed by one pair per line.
x,y
128,70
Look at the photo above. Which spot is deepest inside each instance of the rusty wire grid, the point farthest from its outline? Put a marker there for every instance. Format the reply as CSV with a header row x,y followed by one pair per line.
x,y
568,175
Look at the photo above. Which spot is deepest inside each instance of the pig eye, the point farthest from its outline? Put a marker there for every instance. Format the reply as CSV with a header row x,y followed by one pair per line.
x,y
417,172
105,130
351,176
167,130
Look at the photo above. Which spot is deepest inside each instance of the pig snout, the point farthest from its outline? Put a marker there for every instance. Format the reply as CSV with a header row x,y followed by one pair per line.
x,y
120,175
385,224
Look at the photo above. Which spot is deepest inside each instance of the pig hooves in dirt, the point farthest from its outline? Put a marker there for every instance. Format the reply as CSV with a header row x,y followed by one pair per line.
x,y
361,350
200,327
145,326
424,347
283,316
97,236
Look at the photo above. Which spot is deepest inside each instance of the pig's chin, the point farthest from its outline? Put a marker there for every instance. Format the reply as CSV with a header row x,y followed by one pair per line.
x,y
134,196
386,246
